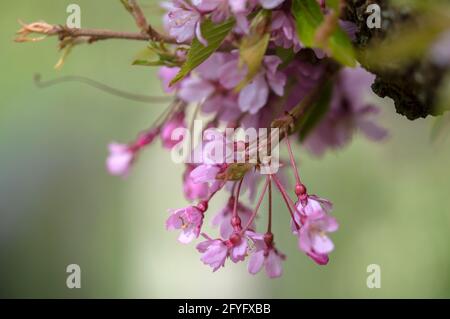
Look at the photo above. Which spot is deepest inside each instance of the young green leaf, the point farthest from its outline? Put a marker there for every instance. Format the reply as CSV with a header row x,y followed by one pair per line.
x,y
253,46
146,54
156,54
309,19
341,48
251,53
214,34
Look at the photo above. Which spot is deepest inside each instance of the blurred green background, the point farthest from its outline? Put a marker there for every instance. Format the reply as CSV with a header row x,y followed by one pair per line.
x,y
58,205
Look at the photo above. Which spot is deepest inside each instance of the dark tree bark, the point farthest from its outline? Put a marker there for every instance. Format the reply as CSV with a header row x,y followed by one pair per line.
x,y
414,87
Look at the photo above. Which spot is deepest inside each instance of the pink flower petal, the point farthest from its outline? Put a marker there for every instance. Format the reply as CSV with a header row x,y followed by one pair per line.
x,y
256,262
273,265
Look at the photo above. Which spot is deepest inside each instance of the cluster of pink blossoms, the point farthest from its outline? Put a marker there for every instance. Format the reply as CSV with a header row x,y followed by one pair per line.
x,y
214,90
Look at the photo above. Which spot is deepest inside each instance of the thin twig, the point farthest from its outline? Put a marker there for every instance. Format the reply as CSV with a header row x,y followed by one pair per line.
x,y
138,16
92,35
103,34
135,10
102,87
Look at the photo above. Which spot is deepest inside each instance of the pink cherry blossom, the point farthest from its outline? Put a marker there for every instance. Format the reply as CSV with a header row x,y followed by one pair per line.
x,y
214,91
120,159
269,259
223,218
254,96
216,251
183,22
195,89
320,259
284,31
237,248
270,4
175,122
238,5
312,236
122,156
312,217
315,224
166,75
349,112
205,173
241,5
192,190
207,5
212,85
209,82
264,255
310,206
313,205
219,10
189,220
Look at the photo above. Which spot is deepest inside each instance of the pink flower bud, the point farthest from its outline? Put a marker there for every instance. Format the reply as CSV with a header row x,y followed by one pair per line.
x,y
120,159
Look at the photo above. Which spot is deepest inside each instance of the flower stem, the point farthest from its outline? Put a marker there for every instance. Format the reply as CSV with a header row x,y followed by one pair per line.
x,y
287,199
258,204
236,200
215,191
269,224
294,165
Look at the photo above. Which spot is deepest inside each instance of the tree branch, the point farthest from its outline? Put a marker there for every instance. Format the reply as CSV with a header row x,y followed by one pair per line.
x,y
135,10
92,35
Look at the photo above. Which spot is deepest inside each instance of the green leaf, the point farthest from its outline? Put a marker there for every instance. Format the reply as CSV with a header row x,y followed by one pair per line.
x,y
214,34
316,113
251,53
156,54
145,54
342,49
309,18
235,172
253,46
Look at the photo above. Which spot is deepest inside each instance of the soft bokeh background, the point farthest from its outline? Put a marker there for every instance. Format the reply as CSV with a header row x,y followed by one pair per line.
x,y
58,206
